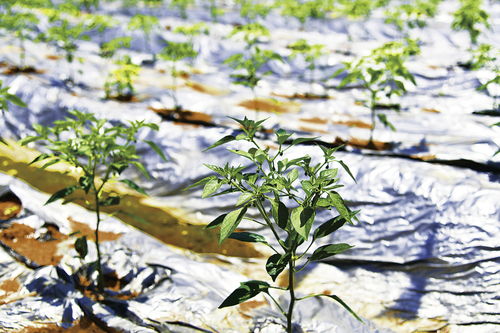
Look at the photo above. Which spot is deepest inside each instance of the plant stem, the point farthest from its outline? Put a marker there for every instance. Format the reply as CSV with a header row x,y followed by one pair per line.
x,y
291,276
99,266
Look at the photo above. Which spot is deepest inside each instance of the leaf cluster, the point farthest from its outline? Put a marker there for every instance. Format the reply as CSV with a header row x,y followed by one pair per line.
x,y
176,51
470,17
358,9
250,32
146,23
412,14
303,10
251,63
310,52
109,48
251,10
192,29
64,35
120,80
182,6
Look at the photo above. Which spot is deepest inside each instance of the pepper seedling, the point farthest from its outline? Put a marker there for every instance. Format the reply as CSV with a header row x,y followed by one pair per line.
x,y
175,52
251,10
288,193
145,23
381,73
101,152
311,54
411,15
182,6
120,81
472,18
304,10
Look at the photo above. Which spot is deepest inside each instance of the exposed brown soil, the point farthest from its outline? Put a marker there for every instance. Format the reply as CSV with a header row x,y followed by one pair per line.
x,y
315,120
270,105
53,57
248,306
84,230
11,70
10,206
312,130
430,110
364,144
353,123
124,98
156,221
424,157
10,286
205,89
306,96
184,116
20,238
84,325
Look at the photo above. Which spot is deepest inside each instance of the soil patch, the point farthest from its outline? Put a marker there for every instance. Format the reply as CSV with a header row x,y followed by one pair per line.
x,y
270,105
430,110
112,288
315,120
312,130
184,116
10,206
84,325
21,238
205,89
53,57
10,286
353,123
364,144
124,98
84,230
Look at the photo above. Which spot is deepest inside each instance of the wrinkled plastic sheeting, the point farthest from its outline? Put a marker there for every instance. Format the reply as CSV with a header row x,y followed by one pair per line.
x,y
175,293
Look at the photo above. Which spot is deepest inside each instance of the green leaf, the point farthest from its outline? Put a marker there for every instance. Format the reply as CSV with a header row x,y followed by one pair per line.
x,y
244,292
141,168
241,153
81,246
133,186
329,227
302,140
224,140
212,186
230,223
86,183
49,163
280,213
293,175
346,168
215,223
62,193
383,119
276,264
329,173
302,220
326,251
157,149
244,198
249,237
41,157
336,298
15,100
337,201
110,201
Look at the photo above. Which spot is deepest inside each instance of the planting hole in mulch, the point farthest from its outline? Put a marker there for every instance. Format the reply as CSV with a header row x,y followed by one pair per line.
x,y
21,238
12,70
270,105
353,123
305,96
112,288
205,89
184,116
430,110
10,206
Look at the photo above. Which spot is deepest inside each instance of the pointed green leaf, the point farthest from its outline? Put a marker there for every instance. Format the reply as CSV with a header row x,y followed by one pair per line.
x,y
212,186
329,227
337,201
224,140
157,149
244,198
133,186
244,292
302,140
15,100
141,168
326,251
49,163
62,193
41,157
341,302
217,222
280,214
302,220
276,264
346,168
249,237
81,247
230,223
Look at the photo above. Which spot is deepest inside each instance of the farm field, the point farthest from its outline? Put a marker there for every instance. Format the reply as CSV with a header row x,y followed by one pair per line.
x,y
249,166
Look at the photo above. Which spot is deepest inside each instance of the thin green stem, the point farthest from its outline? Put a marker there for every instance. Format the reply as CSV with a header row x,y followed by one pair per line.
x,y
277,304
291,289
268,221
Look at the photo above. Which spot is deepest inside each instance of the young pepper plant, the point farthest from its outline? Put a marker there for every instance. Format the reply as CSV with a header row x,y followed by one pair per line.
x,y
119,83
381,73
22,26
250,10
287,206
146,24
101,153
411,15
182,6
311,54
175,52
472,18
